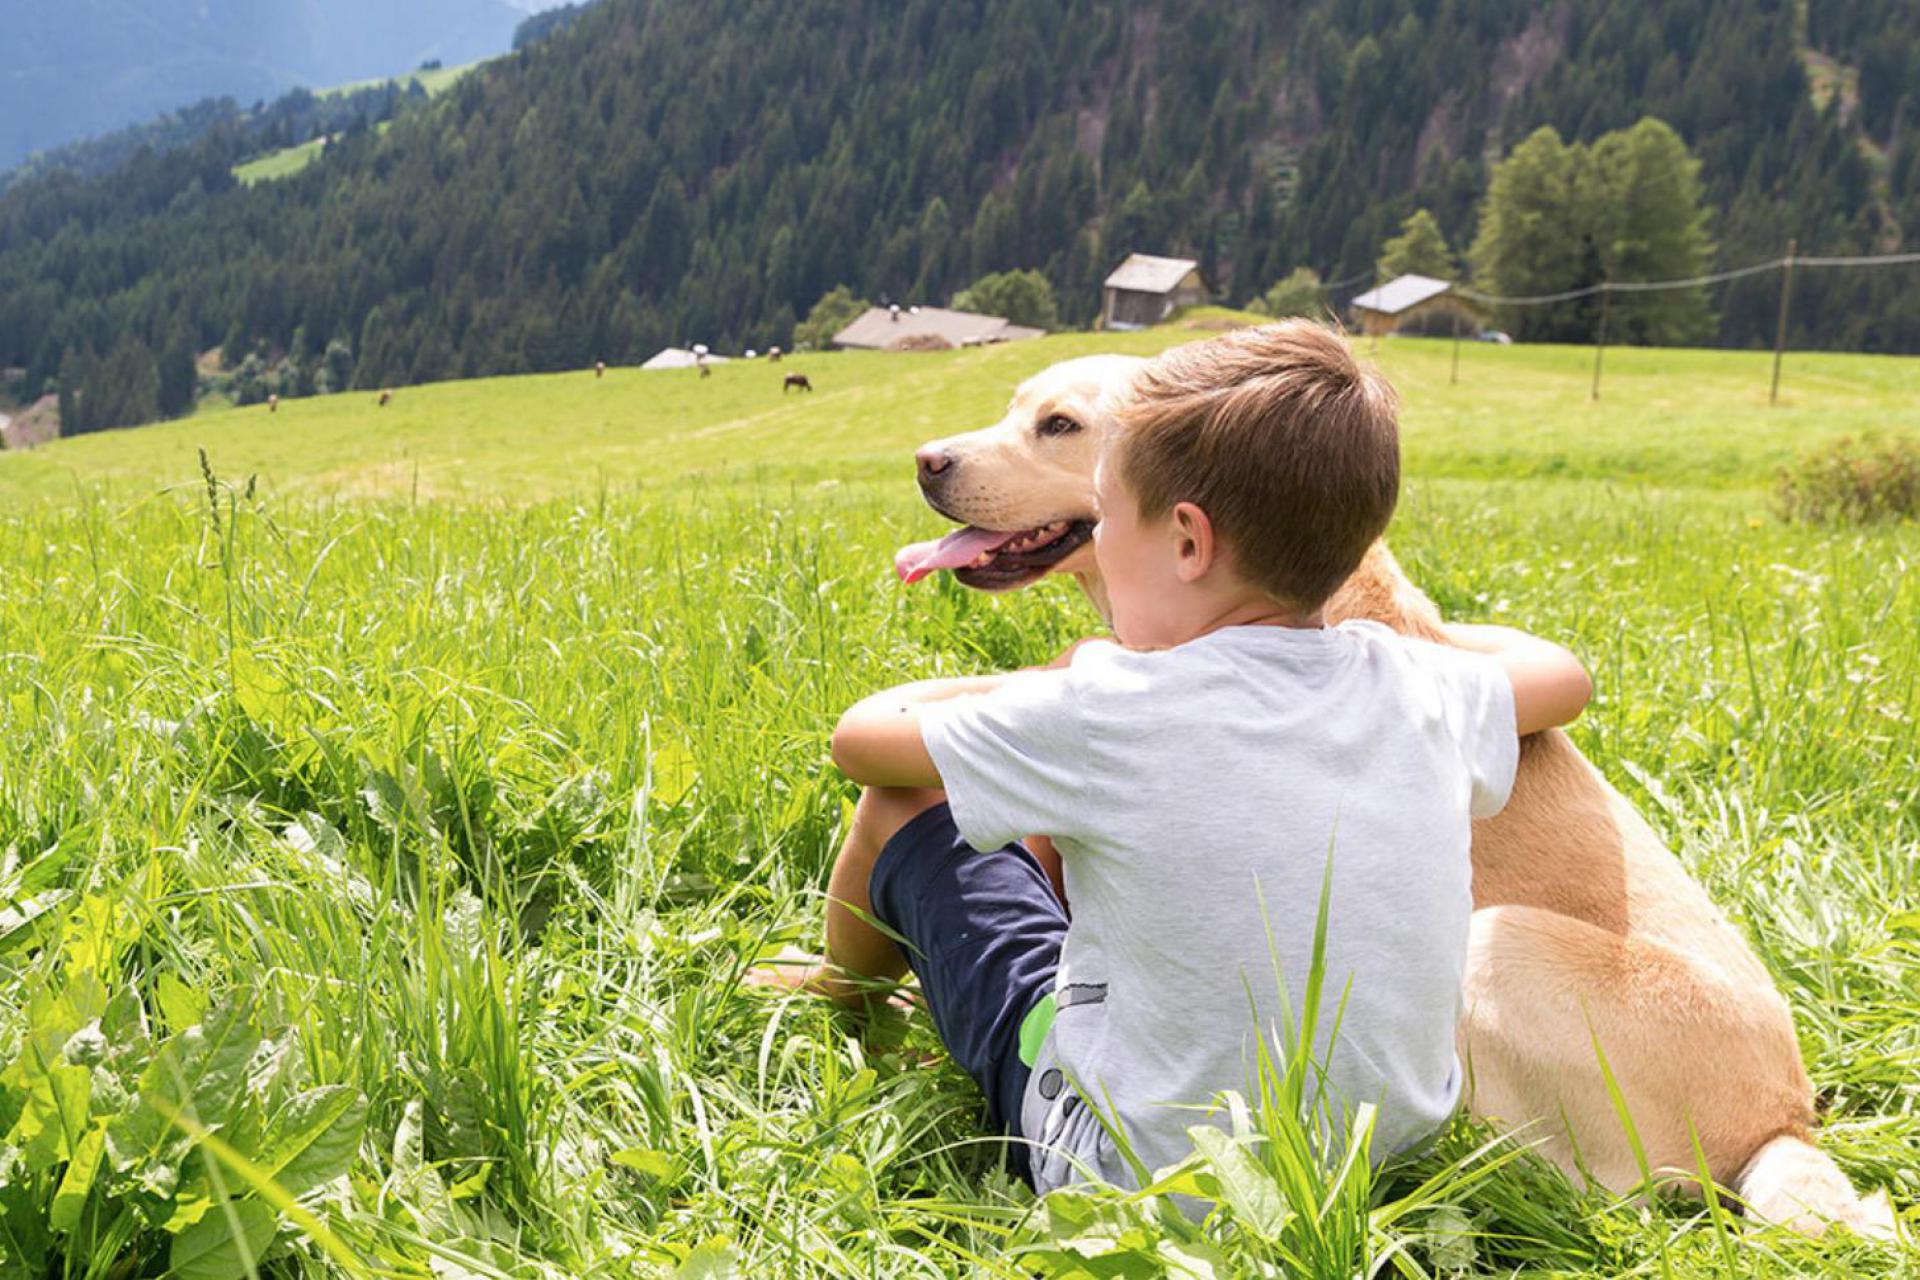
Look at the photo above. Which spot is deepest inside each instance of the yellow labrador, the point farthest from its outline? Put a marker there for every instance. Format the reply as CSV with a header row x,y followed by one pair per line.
x,y
1585,929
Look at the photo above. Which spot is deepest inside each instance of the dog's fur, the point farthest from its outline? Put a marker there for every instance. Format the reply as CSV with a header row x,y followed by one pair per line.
x,y
1586,929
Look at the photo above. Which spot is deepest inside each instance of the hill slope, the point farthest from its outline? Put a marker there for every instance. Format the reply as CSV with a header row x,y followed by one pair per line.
x,y
75,68
1676,418
673,171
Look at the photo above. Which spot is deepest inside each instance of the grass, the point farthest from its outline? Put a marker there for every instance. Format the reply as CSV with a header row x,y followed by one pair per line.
x,y
464,759
288,161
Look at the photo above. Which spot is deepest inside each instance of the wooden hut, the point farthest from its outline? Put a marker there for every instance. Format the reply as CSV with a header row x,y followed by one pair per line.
x,y
1417,305
1145,290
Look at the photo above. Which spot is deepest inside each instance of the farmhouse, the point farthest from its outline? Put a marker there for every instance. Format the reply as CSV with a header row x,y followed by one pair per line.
x,y
927,329
679,358
1145,290
1415,304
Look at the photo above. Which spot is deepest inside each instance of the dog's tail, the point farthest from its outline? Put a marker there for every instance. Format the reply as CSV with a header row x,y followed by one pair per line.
x,y
1792,1183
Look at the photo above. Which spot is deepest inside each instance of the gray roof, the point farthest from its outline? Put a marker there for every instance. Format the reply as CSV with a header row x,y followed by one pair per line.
x,y
877,328
680,358
1400,293
1144,273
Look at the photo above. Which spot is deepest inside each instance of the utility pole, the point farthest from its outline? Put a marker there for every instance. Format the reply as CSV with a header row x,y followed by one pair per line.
x,y
1780,334
1600,347
1455,379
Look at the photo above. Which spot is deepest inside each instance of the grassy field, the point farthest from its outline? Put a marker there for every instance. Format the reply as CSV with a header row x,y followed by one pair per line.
x,y
402,805
288,161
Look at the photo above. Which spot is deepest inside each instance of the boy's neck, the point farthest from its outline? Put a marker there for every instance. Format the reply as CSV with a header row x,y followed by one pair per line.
x,y
1259,611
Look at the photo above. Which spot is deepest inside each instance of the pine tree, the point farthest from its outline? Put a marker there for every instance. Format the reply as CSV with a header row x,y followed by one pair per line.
x,y
1419,249
178,374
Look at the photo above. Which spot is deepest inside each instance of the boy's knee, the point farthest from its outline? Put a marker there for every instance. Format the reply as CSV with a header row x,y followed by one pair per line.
x,y
884,810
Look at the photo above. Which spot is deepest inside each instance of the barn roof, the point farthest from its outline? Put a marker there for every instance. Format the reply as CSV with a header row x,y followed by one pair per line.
x,y
878,327
1400,293
1144,273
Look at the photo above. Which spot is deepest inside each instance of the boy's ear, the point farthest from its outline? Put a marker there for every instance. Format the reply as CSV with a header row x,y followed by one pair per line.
x,y
1193,542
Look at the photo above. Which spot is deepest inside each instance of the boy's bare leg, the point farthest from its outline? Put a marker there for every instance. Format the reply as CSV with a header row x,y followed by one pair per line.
x,y
858,954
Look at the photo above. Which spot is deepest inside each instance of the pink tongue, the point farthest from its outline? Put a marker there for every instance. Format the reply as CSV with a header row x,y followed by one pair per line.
x,y
951,552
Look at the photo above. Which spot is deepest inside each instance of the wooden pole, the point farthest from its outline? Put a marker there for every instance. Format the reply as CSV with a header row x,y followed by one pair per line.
x,y
1780,333
1455,379
1600,347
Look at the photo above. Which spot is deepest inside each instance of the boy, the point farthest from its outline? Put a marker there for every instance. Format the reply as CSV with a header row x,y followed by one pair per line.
x,y
1196,778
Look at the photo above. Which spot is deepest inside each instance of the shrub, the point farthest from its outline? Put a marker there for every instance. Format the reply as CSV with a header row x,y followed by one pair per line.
x,y
836,309
1853,480
1300,294
1023,297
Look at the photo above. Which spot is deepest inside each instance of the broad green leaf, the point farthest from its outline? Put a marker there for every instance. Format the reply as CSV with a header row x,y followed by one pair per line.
x,y
710,1260
23,922
313,1138
199,1073
655,1164
96,933
180,1005
72,1195
1245,1187
211,1250
55,1117
1193,1260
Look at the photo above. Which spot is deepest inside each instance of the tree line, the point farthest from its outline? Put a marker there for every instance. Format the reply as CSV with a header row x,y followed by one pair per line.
x,y
664,173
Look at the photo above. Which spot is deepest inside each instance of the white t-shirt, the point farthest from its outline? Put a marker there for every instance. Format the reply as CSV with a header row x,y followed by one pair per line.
x,y
1195,795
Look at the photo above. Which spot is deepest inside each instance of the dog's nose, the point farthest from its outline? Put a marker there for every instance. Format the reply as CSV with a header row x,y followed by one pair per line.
x,y
932,462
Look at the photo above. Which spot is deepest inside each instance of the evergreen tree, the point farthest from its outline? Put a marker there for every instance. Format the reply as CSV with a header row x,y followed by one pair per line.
x,y
1419,249
178,375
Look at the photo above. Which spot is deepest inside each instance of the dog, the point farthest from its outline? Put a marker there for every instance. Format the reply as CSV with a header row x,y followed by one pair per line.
x,y
795,380
1585,929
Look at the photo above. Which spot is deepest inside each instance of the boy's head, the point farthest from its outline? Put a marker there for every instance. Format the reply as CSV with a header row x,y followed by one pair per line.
x,y
1257,465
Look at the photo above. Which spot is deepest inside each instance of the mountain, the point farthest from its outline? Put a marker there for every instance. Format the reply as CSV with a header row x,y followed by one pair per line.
x,y
668,171
75,68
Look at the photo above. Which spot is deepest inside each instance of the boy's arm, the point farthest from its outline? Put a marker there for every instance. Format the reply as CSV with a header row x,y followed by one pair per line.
x,y
1550,687
877,742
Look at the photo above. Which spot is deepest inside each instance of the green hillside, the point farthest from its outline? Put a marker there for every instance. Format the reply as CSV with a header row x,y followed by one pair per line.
x,y
1668,417
288,161
662,173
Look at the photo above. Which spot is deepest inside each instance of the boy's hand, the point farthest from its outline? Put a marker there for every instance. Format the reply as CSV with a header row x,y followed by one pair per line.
x,y
877,742
1550,687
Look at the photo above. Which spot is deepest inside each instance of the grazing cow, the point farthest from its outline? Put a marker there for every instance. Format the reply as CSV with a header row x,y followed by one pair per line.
x,y
273,404
599,368
795,380
705,372
773,355
386,397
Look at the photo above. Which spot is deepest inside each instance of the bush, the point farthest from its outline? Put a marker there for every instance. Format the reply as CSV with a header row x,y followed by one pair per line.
x,y
836,309
1300,294
1853,480
1023,297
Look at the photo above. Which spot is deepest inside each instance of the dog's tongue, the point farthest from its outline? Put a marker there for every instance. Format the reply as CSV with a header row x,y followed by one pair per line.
x,y
951,552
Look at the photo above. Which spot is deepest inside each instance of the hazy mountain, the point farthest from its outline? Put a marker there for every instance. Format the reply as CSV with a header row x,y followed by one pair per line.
x,y
74,68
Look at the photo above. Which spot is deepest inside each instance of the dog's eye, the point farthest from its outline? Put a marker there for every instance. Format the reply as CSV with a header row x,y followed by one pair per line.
x,y
1058,425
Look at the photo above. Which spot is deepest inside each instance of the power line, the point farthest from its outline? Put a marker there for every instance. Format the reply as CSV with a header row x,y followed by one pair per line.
x,y
1691,282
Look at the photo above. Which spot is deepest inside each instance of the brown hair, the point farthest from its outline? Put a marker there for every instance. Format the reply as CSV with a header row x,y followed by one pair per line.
x,y
1282,438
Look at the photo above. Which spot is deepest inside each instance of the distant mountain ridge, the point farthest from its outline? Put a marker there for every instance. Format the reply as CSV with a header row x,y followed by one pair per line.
x,y
76,68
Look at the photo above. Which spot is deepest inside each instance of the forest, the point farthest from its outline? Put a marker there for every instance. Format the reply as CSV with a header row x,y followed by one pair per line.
x,y
662,172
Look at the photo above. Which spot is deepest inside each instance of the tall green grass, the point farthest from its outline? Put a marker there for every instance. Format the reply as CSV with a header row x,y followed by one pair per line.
x,y
472,813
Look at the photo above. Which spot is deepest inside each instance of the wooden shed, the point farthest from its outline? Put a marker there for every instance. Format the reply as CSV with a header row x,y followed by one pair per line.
x,y
1417,305
1145,290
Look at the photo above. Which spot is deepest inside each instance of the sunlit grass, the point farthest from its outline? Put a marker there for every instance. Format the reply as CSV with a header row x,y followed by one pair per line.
x,y
483,792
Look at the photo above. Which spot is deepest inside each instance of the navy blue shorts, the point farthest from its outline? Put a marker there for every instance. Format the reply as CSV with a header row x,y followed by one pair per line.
x,y
984,933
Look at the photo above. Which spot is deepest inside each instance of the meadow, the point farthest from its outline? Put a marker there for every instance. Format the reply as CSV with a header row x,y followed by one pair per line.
x,y
388,812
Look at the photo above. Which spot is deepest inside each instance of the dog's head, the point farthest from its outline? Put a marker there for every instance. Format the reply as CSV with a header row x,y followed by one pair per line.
x,y
1023,487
